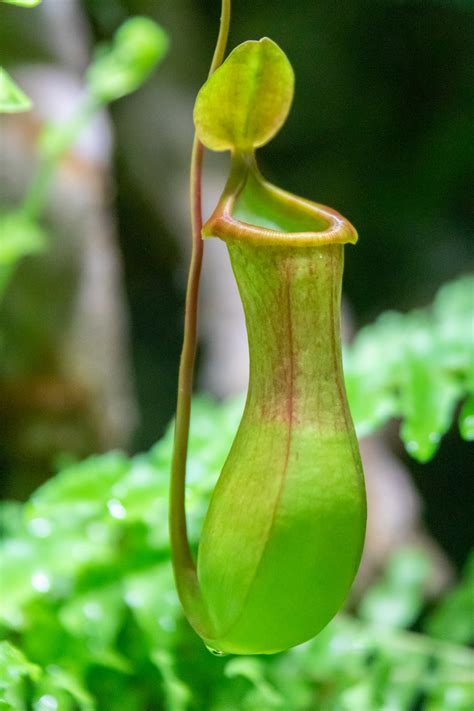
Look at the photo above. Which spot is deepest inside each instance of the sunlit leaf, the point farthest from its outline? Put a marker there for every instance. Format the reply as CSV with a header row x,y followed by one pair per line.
x,y
23,3
81,492
398,598
154,603
138,46
453,619
251,668
95,616
178,695
416,367
20,237
15,671
12,98
62,691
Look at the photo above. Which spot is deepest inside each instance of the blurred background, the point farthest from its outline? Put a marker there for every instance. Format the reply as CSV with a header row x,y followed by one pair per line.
x,y
381,129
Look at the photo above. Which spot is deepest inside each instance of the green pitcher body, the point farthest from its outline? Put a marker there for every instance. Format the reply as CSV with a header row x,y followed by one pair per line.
x,y
283,535
284,532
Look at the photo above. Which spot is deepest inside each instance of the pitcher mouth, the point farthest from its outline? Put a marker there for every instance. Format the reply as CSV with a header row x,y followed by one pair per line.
x,y
252,209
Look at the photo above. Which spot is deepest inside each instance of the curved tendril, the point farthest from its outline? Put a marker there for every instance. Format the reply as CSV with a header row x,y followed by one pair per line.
x,y
183,562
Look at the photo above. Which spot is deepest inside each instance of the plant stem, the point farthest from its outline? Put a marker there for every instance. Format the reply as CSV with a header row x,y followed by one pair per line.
x,y
56,141
183,562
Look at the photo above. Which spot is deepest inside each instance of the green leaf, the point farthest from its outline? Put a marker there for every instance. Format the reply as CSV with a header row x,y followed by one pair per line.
x,y
253,669
178,695
372,368
23,3
246,101
12,98
11,518
153,602
95,616
397,600
453,619
62,691
15,670
452,695
81,492
417,367
428,401
139,45
20,236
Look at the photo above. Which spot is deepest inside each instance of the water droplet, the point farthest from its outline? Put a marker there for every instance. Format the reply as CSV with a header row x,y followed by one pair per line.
x,y
167,623
40,527
412,446
93,611
97,532
133,598
46,702
14,618
215,652
116,509
41,582
434,437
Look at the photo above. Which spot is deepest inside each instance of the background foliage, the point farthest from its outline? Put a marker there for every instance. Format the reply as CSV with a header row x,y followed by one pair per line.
x,y
416,367
380,128
92,619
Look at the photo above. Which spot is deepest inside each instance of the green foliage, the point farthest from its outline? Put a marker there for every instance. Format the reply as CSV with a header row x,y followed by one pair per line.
x,y
123,66
453,620
20,236
246,101
89,608
416,367
119,69
397,599
15,673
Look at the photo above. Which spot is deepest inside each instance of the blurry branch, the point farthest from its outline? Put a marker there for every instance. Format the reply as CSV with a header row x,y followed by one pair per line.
x,y
416,367
117,70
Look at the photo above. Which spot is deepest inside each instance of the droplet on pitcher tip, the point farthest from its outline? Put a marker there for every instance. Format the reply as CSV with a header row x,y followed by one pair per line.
x,y
215,652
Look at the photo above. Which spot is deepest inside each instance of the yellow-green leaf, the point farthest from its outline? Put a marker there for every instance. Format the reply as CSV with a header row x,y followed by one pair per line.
x,y
24,3
12,99
138,46
246,101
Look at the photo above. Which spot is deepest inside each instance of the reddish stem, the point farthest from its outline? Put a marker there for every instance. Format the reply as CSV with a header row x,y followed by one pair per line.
x,y
183,562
